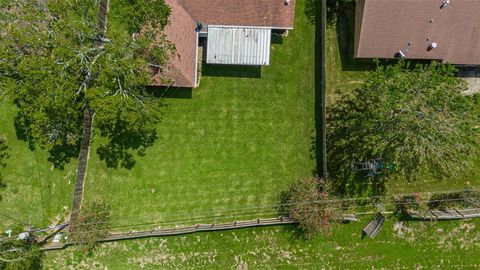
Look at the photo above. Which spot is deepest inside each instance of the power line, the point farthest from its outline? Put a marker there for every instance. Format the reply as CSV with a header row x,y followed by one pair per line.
x,y
238,215
243,214
277,205
41,187
23,223
266,210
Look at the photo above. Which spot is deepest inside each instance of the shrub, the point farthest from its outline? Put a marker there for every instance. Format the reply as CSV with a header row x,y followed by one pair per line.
x,y
309,201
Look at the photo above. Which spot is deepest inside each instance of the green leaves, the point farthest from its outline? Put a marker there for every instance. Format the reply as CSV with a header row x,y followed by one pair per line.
x,y
50,65
308,201
414,116
140,13
128,124
91,225
20,254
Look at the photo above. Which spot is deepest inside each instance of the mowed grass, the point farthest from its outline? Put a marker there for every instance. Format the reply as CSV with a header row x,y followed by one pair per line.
x,y
423,245
35,193
243,136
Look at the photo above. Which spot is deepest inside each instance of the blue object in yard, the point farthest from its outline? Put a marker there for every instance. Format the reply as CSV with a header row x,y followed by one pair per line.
x,y
374,167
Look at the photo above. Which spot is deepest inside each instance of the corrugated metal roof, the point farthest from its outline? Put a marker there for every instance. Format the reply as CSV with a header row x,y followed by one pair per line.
x,y
238,45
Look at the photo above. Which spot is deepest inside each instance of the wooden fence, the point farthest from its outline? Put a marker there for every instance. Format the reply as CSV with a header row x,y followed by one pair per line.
x,y
82,163
184,230
181,230
201,228
449,214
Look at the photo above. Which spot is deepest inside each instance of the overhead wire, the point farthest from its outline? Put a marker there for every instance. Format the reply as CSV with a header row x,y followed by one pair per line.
x,y
243,214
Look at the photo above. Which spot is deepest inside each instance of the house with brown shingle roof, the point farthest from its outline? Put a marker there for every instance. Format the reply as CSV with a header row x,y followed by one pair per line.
x,y
445,30
238,32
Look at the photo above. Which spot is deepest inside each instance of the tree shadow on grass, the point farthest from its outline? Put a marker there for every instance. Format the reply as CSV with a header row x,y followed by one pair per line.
x,y
59,155
121,145
296,234
129,131
347,182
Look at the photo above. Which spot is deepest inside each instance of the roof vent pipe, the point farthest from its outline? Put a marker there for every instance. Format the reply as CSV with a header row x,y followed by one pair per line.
x,y
286,2
445,3
401,54
199,27
432,46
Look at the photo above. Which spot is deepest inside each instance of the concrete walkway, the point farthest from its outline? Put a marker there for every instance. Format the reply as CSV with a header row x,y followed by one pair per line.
x,y
472,77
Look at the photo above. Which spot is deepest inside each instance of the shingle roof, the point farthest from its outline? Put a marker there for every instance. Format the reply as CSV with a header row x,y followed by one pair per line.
x,y
181,68
271,13
385,27
185,15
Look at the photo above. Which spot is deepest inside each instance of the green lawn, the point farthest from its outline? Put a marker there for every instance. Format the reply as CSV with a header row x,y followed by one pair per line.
x,y
236,143
34,190
437,245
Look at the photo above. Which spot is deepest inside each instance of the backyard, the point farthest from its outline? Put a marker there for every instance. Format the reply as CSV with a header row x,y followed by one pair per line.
x,y
224,152
233,143
229,145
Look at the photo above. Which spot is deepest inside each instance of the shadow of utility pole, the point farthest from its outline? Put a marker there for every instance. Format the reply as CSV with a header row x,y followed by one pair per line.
x,y
320,88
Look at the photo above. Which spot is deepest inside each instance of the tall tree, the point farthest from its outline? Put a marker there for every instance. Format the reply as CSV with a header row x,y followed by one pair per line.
x,y
417,117
51,67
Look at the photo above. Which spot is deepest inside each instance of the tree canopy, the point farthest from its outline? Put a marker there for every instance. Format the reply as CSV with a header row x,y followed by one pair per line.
x,y
17,254
51,67
91,225
417,117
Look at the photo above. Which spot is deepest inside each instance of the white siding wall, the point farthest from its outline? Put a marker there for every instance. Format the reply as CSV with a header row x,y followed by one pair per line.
x,y
238,45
